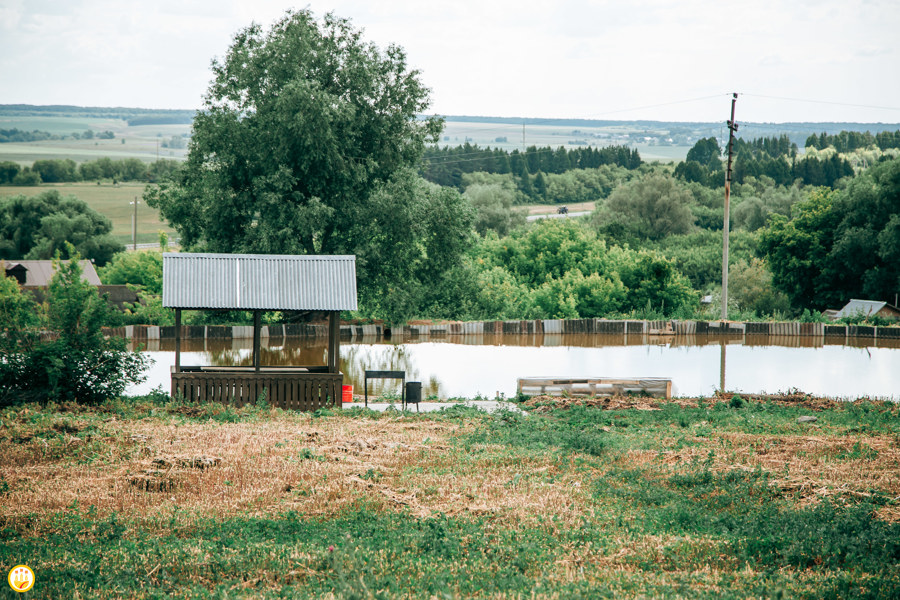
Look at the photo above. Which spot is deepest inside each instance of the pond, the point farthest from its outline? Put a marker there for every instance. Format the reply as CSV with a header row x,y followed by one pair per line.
x,y
489,365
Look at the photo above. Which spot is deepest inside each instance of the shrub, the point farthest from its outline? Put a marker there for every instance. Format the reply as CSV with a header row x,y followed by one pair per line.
x,y
80,364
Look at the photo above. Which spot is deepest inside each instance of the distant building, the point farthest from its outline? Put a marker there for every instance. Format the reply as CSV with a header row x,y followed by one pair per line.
x,y
38,273
866,308
35,276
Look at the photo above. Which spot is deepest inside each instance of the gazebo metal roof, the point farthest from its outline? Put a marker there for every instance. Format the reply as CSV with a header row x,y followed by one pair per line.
x,y
259,282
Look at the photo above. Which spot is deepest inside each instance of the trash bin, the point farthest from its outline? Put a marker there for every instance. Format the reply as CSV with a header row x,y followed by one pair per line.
x,y
347,393
414,393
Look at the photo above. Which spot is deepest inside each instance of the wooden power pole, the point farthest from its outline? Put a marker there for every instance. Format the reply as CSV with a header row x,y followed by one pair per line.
x,y
134,225
732,127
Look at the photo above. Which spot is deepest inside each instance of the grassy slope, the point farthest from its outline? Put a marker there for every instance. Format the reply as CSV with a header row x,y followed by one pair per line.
x,y
687,500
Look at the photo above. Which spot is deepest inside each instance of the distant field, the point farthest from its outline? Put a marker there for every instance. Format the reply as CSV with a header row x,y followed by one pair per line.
x,y
109,200
142,141
486,134
664,154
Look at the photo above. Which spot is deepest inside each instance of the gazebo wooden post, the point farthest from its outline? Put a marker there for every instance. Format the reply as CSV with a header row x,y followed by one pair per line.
x,y
178,340
334,342
256,334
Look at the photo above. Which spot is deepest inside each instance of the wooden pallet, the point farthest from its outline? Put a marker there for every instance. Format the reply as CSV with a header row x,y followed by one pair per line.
x,y
592,387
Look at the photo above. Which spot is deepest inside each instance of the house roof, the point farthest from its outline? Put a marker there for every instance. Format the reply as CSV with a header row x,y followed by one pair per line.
x,y
39,272
865,307
259,282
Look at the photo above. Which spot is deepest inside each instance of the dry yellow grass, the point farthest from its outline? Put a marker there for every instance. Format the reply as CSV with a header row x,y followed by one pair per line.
x,y
164,470
286,462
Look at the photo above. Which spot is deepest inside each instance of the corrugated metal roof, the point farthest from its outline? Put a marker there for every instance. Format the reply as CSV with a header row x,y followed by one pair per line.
x,y
40,272
259,281
865,307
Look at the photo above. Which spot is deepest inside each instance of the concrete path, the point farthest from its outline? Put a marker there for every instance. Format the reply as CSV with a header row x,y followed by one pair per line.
x,y
485,405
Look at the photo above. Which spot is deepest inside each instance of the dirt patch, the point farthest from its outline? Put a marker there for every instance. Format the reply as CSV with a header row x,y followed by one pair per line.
x,y
548,403
545,403
293,462
816,467
795,398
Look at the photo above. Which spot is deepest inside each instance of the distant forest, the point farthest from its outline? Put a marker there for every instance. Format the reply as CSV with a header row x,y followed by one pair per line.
x,y
446,166
134,116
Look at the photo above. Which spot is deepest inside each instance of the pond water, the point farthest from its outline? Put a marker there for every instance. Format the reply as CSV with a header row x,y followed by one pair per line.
x,y
468,366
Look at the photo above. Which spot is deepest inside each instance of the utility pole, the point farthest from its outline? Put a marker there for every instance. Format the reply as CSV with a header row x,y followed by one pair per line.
x,y
134,225
523,137
732,127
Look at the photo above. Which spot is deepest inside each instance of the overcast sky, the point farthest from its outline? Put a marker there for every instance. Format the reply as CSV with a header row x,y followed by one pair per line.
x,y
798,60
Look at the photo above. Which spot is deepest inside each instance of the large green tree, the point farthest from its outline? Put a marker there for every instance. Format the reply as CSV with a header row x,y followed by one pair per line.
x,y
558,268
840,245
37,227
493,205
797,249
303,128
651,207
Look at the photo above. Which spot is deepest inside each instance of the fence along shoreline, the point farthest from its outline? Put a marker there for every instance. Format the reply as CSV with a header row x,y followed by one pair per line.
x,y
834,334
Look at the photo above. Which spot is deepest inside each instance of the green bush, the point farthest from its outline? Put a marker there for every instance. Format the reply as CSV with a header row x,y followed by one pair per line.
x,y
79,364
134,268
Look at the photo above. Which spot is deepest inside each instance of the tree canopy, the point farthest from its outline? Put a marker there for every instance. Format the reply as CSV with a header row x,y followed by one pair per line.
x,y
299,126
37,227
840,245
303,128
651,207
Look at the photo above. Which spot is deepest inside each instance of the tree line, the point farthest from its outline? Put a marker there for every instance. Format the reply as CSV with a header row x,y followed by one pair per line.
x,y
840,244
65,170
774,157
9,136
447,165
848,141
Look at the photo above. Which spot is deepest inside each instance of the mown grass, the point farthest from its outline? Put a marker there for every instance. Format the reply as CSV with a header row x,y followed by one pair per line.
x,y
672,500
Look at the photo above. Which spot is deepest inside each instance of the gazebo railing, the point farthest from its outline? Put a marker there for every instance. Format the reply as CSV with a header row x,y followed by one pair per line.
x,y
294,388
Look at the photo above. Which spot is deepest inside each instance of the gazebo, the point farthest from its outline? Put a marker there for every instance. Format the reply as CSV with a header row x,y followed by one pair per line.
x,y
259,283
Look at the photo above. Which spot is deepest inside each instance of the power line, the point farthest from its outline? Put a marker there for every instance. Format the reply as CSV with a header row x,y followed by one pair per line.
x,y
612,112
505,127
811,101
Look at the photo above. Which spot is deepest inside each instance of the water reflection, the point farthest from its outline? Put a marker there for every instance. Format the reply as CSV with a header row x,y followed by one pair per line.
x,y
490,364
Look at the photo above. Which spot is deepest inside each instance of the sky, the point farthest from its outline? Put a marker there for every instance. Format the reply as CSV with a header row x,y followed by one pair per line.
x,y
798,60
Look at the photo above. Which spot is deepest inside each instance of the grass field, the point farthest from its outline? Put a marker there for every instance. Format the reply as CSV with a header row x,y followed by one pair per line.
x,y
142,141
716,498
112,201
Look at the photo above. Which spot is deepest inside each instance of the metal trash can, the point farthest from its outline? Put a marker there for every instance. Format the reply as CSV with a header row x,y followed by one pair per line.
x,y
414,393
